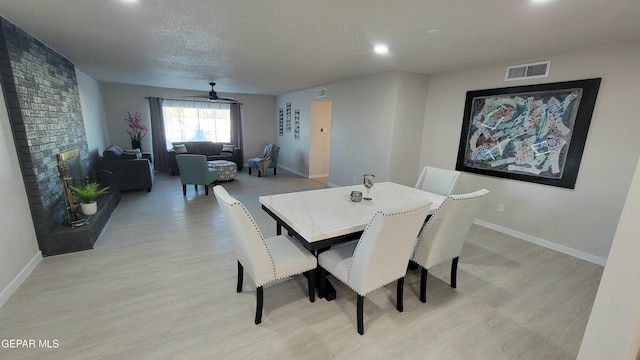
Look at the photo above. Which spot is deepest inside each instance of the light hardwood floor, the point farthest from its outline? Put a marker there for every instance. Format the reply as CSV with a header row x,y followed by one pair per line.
x,y
161,285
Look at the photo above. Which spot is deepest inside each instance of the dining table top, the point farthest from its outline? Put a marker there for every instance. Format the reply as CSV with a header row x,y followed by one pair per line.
x,y
318,215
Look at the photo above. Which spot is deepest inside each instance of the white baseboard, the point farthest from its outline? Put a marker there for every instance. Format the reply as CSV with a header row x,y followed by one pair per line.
x,y
544,243
318,176
294,171
19,279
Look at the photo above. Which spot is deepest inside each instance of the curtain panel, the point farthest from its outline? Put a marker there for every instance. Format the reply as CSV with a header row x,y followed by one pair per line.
x,y
236,126
158,138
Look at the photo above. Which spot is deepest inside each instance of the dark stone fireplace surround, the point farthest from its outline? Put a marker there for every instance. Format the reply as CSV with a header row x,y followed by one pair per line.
x,y
43,102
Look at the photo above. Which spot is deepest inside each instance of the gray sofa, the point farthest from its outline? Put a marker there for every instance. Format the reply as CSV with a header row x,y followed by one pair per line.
x,y
129,172
213,151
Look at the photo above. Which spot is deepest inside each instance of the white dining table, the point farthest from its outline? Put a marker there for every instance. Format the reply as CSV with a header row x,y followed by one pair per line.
x,y
325,217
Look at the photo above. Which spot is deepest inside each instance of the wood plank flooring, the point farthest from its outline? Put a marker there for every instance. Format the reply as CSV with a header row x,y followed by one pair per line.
x,y
161,285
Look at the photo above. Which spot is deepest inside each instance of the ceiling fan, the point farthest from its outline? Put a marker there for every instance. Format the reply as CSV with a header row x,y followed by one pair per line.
x,y
213,95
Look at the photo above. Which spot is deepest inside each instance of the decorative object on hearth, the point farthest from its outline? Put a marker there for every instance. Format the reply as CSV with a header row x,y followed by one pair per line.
x,y
368,183
71,173
138,131
87,196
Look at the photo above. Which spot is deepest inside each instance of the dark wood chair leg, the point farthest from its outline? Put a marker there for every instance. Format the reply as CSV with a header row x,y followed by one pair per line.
x,y
259,302
206,190
311,279
399,291
322,274
184,190
249,170
274,171
423,285
240,277
454,272
195,187
360,314
259,173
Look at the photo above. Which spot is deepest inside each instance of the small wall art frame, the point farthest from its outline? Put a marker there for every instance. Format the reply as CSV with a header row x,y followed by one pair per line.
x,y
280,122
534,133
288,117
296,125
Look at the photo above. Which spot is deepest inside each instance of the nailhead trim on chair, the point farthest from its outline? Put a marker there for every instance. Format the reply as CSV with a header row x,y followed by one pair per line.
x,y
273,264
358,245
433,216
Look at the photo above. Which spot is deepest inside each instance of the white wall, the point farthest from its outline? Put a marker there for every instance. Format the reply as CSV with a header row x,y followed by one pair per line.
x,y
362,122
613,331
19,252
409,123
294,154
92,112
583,219
257,114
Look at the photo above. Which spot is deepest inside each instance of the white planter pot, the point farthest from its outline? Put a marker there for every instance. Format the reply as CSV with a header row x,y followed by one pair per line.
x,y
90,208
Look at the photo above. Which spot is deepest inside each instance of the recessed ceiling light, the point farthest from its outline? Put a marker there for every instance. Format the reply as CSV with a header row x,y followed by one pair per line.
x,y
381,49
129,1
540,1
432,31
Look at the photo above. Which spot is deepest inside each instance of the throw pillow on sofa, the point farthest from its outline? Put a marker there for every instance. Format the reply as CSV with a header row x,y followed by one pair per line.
x,y
113,152
180,148
132,154
227,148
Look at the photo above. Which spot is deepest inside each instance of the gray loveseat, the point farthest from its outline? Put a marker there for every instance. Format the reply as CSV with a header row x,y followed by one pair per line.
x,y
129,172
213,151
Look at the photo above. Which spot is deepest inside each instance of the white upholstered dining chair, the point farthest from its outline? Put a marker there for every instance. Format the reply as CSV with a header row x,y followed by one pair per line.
x,y
438,181
379,257
443,235
265,259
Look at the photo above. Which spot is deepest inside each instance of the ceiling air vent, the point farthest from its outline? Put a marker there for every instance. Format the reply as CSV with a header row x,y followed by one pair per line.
x,y
528,71
320,93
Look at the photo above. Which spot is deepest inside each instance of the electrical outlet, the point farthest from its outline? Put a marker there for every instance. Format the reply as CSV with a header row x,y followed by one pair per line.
x,y
500,207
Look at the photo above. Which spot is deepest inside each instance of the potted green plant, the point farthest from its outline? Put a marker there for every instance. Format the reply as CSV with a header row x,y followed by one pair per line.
x,y
87,196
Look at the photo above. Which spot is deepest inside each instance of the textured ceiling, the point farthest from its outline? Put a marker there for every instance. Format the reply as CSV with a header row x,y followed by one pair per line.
x,y
278,46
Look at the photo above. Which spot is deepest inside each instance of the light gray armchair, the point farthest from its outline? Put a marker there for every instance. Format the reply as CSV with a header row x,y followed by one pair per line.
x,y
195,171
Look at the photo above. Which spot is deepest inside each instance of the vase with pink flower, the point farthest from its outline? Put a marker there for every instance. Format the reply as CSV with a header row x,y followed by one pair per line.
x,y
136,130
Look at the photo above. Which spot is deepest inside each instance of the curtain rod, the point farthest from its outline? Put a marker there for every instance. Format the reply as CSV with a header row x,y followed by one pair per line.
x,y
202,101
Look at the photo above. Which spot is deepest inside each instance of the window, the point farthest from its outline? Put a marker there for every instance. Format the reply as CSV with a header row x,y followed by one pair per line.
x,y
196,121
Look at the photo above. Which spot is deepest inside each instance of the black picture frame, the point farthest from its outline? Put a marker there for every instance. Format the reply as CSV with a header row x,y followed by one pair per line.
x,y
533,133
296,125
288,121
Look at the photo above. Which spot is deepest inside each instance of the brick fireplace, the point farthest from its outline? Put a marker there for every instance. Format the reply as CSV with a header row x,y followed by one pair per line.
x,y
43,103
